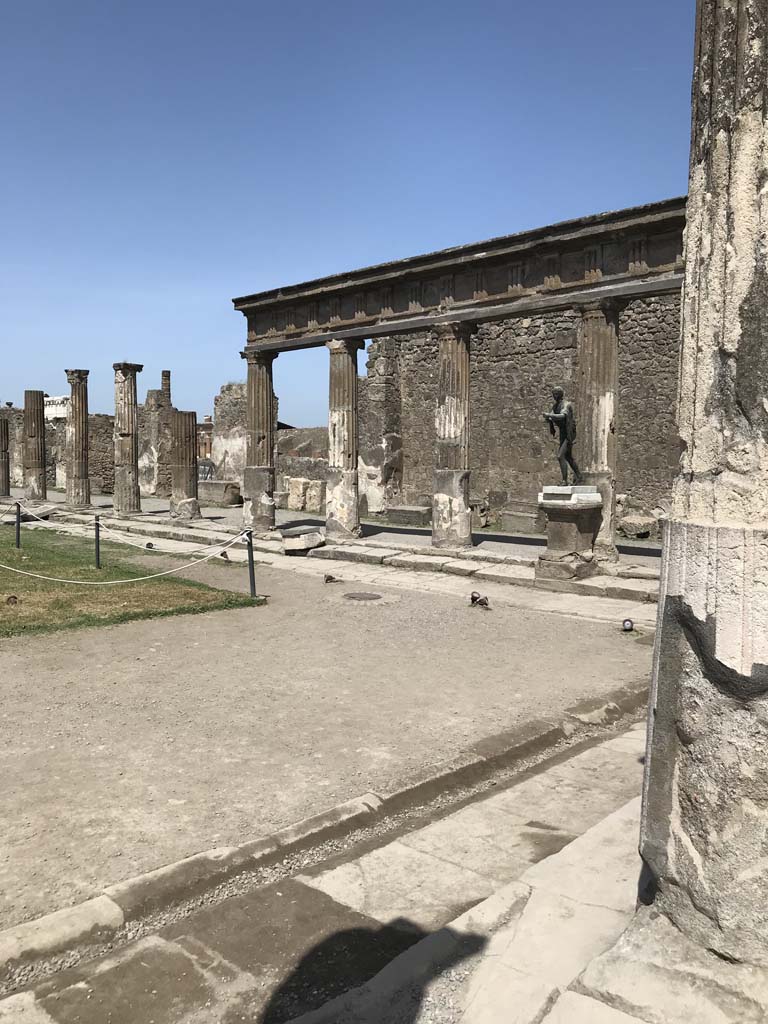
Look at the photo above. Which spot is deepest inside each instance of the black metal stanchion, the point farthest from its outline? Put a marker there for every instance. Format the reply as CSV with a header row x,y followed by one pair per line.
x,y
97,532
251,570
18,525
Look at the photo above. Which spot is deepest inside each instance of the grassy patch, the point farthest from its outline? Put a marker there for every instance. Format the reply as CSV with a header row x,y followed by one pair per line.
x,y
42,606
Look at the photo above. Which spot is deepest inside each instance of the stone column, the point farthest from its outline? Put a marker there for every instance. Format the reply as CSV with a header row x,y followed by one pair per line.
x,y
127,498
78,484
5,460
598,361
35,484
165,384
341,510
451,511
705,815
184,503
259,473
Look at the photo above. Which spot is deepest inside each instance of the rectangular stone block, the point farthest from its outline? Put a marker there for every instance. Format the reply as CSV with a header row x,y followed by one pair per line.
x,y
315,498
410,515
297,493
219,493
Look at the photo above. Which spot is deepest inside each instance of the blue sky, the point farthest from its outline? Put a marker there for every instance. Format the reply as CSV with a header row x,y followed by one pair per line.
x,y
160,158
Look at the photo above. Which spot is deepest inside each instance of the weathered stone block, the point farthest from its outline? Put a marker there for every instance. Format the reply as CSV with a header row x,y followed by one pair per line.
x,y
315,497
219,493
301,539
297,493
410,515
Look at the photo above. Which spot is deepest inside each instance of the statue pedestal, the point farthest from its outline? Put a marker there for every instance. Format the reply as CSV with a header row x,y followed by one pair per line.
x,y
573,522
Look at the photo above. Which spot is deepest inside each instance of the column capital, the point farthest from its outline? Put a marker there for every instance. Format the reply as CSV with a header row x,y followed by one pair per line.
x,y
77,376
607,309
461,329
258,356
128,368
345,344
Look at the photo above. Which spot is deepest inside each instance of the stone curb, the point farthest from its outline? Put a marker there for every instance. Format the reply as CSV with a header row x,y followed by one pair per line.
x,y
100,920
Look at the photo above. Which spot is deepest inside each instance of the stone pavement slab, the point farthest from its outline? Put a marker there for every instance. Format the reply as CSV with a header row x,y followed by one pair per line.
x,y
572,1008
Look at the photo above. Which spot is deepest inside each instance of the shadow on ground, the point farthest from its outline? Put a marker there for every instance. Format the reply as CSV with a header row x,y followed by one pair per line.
x,y
348,959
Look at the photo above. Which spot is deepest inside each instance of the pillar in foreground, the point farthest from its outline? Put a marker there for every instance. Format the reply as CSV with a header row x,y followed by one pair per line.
x,y
598,361
259,473
35,484
184,503
127,499
5,460
78,484
705,815
342,513
451,510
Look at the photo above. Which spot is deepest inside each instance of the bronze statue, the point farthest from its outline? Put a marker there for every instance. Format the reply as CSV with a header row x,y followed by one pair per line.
x,y
564,417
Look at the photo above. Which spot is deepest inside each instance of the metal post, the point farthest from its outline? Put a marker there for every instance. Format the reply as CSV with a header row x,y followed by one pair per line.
x,y
97,529
251,570
18,525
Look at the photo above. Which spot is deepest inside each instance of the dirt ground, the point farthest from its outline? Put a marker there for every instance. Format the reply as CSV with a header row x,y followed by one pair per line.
x,y
131,746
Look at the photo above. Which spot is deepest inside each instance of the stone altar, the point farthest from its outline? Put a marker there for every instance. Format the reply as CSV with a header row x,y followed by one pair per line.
x,y
573,522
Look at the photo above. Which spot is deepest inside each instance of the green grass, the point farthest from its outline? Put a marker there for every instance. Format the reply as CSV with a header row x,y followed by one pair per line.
x,y
43,607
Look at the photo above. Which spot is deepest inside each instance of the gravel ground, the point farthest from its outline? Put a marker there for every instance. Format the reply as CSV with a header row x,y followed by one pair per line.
x,y
132,746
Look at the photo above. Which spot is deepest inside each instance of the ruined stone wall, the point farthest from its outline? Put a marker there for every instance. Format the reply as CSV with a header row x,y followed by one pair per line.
x,y
380,464
515,363
228,442
101,453
155,441
648,446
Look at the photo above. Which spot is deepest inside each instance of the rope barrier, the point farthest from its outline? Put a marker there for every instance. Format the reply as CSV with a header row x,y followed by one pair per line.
x,y
112,583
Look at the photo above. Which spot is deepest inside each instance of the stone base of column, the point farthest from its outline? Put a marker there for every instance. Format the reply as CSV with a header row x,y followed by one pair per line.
x,y
78,497
451,510
342,515
259,498
705,817
185,508
35,486
605,551
573,521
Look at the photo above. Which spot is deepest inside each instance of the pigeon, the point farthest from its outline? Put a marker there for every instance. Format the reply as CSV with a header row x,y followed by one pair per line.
x,y
477,601
150,544
224,555
12,599
330,579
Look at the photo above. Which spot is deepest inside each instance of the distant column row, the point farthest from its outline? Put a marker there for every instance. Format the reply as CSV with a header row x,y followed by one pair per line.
x,y
127,497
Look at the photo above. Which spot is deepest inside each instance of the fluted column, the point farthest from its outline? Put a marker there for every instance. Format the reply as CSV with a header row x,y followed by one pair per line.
x,y
78,484
184,503
5,460
342,514
598,361
35,484
451,510
127,498
705,815
259,474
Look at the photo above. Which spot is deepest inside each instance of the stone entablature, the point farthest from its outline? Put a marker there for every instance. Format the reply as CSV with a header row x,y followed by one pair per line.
x,y
627,254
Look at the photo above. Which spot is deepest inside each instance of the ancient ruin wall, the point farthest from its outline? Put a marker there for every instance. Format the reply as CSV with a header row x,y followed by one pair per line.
x,y
648,446
514,365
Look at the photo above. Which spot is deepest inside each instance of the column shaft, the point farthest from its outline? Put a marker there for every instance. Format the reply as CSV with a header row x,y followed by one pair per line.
x,y
598,361
451,510
259,474
165,384
705,812
78,484
127,497
5,460
184,503
342,508
35,483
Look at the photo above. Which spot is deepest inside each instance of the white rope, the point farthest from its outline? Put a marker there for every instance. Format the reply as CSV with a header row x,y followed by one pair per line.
x,y
112,583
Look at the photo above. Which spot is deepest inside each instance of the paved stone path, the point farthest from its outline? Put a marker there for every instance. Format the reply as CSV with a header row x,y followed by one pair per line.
x,y
283,950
